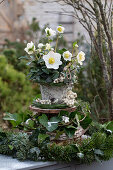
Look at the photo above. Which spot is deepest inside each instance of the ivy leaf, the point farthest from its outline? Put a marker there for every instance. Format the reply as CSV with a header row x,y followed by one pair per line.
x,y
15,119
86,122
43,120
53,124
10,116
49,125
55,119
70,132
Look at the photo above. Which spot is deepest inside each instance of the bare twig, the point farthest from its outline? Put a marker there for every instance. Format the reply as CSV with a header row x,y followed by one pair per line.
x,y
2,1
96,17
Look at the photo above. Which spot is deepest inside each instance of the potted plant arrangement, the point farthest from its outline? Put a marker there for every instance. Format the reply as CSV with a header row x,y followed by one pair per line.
x,y
60,127
56,72
54,69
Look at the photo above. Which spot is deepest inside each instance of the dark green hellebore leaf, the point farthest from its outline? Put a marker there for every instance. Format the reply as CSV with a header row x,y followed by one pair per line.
x,y
28,63
40,60
24,57
45,71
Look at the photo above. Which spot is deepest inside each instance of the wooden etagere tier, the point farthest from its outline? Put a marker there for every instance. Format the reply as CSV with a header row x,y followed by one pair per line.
x,y
51,111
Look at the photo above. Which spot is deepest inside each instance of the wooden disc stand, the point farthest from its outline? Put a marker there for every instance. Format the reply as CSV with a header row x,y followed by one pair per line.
x,y
50,112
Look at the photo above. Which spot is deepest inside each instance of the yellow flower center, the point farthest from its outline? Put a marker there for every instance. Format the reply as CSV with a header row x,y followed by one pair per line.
x,y
66,55
59,29
80,57
51,60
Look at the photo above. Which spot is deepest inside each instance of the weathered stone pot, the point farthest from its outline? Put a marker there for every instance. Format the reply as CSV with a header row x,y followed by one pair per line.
x,y
49,92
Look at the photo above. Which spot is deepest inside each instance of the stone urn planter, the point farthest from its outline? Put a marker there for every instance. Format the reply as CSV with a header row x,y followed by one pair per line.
x,y
49,92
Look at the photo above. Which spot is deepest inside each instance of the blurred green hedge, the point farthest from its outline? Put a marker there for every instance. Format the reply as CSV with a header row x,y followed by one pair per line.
x,y
16,92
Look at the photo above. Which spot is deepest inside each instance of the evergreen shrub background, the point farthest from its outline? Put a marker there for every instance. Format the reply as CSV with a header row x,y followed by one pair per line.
x,y
16,92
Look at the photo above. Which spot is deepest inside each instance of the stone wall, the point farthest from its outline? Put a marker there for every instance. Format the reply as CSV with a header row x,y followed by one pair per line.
x,y
15,14
12,20
54,14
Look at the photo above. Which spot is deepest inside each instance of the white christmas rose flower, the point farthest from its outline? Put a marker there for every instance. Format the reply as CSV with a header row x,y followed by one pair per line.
x,y
50,32
52,60
30,48
60,29
65,119
40,45
67,56
48,46
81,57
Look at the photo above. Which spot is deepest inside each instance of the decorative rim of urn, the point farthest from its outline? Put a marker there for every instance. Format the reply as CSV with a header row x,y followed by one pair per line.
x,y
51,111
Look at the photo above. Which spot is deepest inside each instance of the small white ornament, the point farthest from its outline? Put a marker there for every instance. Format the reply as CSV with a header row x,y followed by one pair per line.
x,y
65,119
